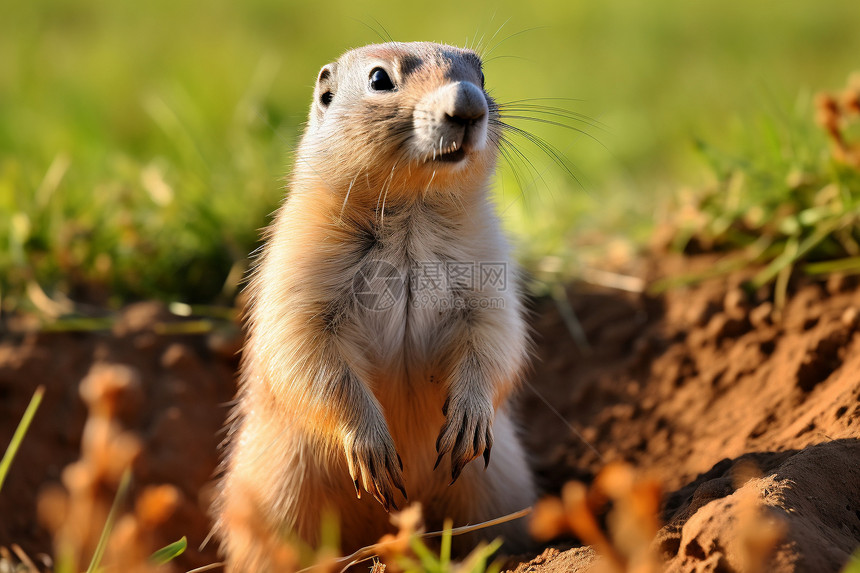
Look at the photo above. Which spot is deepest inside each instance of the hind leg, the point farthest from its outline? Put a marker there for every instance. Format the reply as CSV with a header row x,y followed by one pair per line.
x,y
259,511
278,491
248,542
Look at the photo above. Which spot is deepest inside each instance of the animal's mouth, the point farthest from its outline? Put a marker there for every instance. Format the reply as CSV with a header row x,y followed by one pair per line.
x,y
453,156
450,123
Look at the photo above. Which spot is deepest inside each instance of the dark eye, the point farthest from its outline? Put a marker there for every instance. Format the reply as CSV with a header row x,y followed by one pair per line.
x,y
326,98
482,79
379,80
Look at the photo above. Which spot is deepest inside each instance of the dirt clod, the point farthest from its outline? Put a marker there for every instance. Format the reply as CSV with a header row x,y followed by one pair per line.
x,y
718,382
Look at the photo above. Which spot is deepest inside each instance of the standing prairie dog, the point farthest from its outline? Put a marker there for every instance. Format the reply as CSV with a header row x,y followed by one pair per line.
x,y
385,328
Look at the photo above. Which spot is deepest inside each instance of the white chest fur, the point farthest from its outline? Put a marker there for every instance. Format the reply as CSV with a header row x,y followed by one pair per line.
x,y
403,289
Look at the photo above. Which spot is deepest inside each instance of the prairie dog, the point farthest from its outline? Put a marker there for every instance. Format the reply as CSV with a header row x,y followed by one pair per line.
x,y
385,328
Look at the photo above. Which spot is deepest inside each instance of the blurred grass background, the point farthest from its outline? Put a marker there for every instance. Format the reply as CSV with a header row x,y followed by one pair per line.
x,y
143,145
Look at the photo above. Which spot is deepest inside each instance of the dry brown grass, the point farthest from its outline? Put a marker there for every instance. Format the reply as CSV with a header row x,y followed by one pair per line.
x,y
625,543
835,113
92,522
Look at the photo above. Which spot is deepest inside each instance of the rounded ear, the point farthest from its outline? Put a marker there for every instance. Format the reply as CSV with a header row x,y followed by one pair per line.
x,y
324,92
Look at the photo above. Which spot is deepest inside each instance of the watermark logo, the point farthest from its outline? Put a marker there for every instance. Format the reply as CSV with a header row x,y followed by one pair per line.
x,y
378,285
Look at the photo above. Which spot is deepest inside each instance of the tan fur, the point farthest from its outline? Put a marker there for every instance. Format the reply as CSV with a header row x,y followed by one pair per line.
x,y
332,391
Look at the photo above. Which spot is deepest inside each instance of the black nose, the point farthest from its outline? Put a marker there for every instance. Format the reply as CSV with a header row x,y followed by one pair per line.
x,y
463,120
469,105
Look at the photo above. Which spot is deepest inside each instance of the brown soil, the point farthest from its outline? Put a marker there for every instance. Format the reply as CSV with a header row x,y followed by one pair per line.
x,y
187,380
721,399
714,394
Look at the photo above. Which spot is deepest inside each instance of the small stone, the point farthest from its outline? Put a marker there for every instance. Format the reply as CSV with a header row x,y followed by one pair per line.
x,y
760,316
699,312
724,326
849,317
178,357
589,434
735,303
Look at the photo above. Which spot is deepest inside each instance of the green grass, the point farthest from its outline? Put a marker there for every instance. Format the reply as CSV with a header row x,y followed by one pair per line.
x,y
478,560
118,500
20,432
169,552
143,145
778,201
159,557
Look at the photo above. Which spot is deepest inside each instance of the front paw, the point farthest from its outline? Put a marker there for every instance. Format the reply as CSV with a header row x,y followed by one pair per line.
x,y
374,464
467,432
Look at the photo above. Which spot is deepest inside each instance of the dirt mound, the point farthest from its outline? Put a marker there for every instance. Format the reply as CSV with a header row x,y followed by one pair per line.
x,y
810,500
729,403
770,511
697,381
186,380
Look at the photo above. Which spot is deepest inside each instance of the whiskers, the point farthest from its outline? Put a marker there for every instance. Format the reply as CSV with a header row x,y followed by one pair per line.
x,y
398,138
348,191
504,135
486,49
383,195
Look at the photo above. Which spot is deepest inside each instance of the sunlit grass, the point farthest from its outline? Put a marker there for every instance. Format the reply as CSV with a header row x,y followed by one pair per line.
x,y
144,145
780,202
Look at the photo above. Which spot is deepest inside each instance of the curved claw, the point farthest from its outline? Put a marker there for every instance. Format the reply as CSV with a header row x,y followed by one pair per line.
x,y
465,435
376,467
456,469
397,479
461,434
439,448
488,448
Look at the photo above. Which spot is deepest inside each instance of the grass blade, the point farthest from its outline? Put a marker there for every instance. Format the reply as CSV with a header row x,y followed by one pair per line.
x,y
791,255
425,556
847,265
445,550
20,431
169,552
124,483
